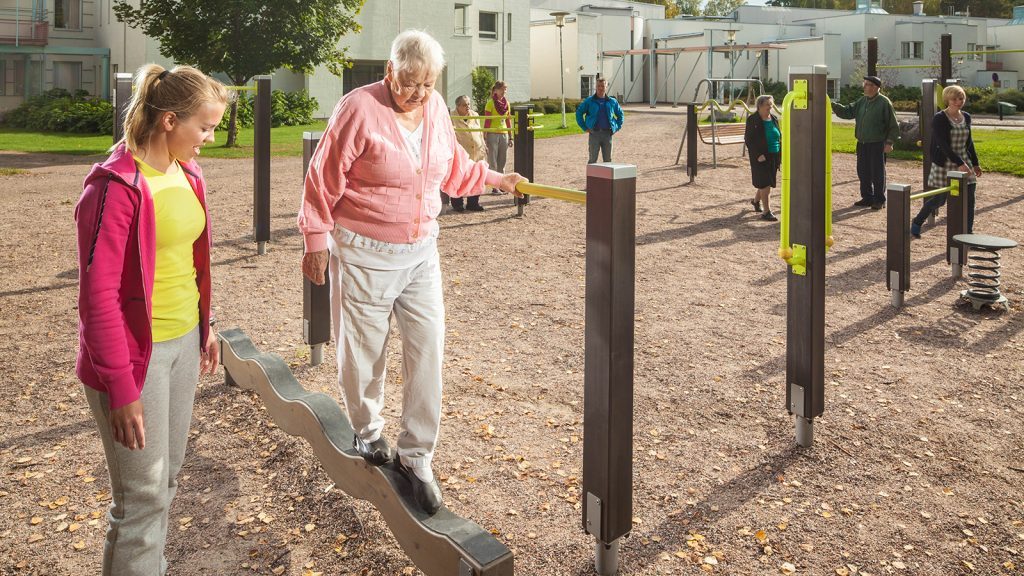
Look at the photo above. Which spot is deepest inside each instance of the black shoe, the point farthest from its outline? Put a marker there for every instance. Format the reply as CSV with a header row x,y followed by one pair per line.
x,y
878,205
426,494
475,208
377,452
863,202
769,216
458,208
756,204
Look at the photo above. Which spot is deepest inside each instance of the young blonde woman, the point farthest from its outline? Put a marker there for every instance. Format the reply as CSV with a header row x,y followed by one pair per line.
x,y
144,303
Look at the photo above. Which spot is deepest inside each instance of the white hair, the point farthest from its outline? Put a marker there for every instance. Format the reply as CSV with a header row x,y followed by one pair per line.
x,y
415,51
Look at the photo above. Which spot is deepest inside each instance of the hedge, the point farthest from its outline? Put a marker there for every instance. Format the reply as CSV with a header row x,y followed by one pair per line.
x,y
58,110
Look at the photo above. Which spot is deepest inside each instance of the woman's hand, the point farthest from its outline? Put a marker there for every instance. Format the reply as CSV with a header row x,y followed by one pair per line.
x,y
761,158
209,356
977,171
509,181
313,266
510,141
127,426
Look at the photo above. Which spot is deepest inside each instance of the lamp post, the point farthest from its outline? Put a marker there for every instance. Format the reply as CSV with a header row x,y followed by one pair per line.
x,y
560,22
730,39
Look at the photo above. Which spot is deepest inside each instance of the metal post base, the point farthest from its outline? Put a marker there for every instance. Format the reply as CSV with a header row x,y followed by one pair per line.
x,y
897,298
519,209
316,354
261,248
931,218
804,431
958,270
606,558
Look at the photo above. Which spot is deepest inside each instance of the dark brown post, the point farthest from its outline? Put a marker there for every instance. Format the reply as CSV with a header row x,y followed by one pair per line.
x,y
946,59
956,222
261,165
897,242
316,300
872,56
805,308
925,127
122,96
691,140
608,363
523,150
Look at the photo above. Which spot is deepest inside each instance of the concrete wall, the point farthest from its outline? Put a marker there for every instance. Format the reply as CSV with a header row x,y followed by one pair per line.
x,y
1009,38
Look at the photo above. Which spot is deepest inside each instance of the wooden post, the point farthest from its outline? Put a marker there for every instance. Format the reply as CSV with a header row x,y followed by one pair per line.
x,y
608,364
122,96
523,150
925,127
691,140
316,300
956,222
946,59
261,165
897,242
872,56
805,308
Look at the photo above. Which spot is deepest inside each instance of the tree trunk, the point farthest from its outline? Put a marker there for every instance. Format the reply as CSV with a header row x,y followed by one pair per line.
x,y
233,125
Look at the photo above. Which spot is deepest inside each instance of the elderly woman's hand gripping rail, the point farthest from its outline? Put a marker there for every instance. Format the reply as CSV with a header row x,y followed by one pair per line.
x,y
369,210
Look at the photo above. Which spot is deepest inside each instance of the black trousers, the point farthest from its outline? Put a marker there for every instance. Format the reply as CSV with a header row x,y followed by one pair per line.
x,y
871,170
470,201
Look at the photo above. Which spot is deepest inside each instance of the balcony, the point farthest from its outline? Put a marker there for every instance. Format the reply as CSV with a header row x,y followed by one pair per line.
x,y
23,28
993,65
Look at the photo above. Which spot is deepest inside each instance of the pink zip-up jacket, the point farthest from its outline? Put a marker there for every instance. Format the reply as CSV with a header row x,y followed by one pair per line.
x,y
362,177
116,264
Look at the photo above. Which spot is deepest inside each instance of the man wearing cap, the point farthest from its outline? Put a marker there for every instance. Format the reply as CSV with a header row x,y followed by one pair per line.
x,y
876,129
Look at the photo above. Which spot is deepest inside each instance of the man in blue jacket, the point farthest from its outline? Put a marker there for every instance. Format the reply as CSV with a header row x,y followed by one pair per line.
x,y
600,116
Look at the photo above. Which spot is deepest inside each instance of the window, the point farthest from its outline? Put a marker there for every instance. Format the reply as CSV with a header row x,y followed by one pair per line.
x,y
361,74
489,25
67,14
3,77
508,29
493,70
857,53
587,86
912,50
460,20
67,75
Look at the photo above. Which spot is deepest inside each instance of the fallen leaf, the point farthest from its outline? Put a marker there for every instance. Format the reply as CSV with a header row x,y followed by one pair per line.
x,y
787,568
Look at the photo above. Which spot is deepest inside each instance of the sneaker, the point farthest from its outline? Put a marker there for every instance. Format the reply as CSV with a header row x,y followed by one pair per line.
x,y
863,202
878,205
426,494
769,216
915,230
377,452
756,204
475,208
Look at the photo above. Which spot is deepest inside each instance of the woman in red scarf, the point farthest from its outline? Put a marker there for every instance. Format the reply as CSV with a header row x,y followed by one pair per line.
x,y
499,135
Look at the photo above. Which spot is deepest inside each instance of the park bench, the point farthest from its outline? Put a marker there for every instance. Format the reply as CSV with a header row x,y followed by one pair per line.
x,y
721,133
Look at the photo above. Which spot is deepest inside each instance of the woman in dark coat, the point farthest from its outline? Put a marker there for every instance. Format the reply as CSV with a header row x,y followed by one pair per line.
x,y
952,149
764,145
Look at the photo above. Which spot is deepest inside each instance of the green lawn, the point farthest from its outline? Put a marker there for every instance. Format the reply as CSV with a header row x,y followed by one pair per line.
x,y
999,150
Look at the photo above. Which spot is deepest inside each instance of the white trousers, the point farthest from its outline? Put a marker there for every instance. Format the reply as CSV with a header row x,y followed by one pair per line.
x,y
371,282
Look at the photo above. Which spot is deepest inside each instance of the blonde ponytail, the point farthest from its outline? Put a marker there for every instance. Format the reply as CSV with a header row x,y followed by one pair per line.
x,y
182,91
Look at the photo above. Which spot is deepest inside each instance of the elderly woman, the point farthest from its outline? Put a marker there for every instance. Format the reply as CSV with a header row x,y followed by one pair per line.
x,y
764,144
371,199
952,149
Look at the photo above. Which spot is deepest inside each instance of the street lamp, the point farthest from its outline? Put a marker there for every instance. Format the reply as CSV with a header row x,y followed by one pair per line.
x,y
560,22
730,39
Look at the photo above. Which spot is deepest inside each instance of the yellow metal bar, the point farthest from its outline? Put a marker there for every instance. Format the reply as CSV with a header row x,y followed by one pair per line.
x,y
554,192
708,103
534,115
795,98
930,193
242,88
478,130
894,66
959,52
535,127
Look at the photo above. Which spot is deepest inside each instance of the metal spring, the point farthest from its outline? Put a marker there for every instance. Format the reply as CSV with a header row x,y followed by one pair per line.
x,y
984,274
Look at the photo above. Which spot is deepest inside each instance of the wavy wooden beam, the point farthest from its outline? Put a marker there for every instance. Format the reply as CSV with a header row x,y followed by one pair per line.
x,y
440,545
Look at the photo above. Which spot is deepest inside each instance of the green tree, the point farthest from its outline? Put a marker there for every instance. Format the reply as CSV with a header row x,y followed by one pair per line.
x,y
689,7
671,6
482,82
245,38
722,7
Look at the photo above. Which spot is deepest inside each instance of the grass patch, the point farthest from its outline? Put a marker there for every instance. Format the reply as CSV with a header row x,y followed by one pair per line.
x,y
552,125
998,150
12,171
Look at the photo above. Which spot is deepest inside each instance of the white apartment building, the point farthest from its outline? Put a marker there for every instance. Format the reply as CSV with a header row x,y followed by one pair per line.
x,y
79,44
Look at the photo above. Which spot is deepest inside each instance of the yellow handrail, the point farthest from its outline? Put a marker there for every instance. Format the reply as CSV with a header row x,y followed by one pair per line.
x,y
709,103
242,88
554,192
930,193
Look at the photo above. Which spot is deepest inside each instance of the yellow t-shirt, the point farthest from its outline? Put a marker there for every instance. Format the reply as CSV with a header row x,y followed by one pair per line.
x,y
179,222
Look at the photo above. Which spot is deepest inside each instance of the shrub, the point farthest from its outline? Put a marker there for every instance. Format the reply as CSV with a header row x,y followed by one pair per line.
x,y
905,105
58,110
286,109
482,82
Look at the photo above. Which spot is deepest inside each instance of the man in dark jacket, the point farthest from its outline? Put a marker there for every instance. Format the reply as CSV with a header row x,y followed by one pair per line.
x,y
876,130
600,116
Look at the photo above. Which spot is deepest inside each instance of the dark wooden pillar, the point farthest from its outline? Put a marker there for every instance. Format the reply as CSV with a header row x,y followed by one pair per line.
x,y
946,59
261,165
122,96
691,140
608,379
316,300
523,149
897,242
956,222
872,56
925,127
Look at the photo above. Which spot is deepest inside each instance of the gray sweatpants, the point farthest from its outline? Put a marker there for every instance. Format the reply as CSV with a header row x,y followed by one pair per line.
x,y
143,482
497,150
